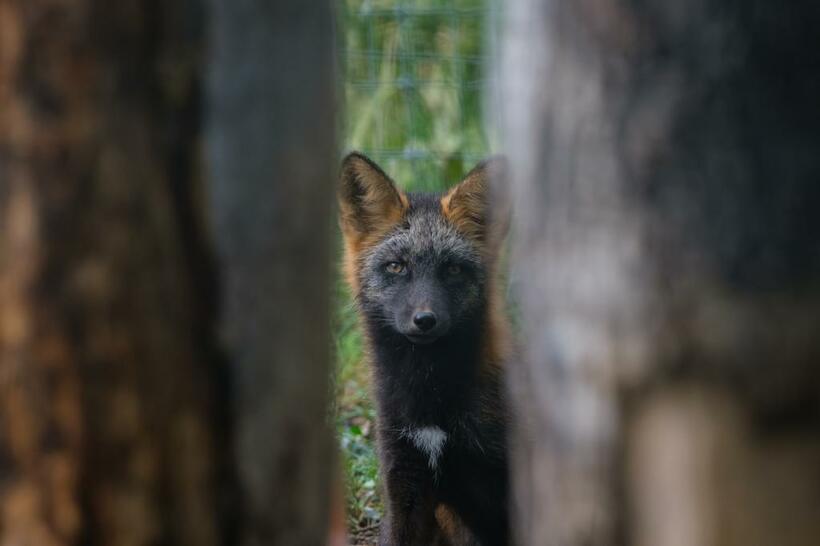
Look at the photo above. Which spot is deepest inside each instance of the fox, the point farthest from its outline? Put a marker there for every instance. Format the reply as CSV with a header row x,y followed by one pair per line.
x,y
423,269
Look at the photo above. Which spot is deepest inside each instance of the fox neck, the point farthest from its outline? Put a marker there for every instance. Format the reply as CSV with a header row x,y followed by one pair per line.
x,y
423,385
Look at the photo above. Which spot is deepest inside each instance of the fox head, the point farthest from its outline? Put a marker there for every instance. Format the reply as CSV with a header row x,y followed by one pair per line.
x,y
420,264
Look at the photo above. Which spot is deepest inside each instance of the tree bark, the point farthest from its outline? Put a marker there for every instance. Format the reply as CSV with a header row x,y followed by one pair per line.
x,y
122,414
273,164
111,425
665,174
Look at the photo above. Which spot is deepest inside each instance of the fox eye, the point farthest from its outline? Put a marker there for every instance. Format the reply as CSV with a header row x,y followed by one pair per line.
x,y
395,268
454,269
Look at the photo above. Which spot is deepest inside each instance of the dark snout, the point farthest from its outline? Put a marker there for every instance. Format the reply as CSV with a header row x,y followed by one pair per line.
x,y
422,311
426,324
425,320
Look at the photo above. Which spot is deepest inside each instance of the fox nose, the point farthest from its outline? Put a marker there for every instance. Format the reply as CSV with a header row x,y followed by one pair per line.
x,y
425,320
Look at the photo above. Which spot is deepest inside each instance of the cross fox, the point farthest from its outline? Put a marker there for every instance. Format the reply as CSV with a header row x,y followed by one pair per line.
x,y
423,268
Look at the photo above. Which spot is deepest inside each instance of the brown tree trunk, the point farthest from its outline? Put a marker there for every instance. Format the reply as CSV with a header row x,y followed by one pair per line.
x,y
273,164
109,407
665,172
121,415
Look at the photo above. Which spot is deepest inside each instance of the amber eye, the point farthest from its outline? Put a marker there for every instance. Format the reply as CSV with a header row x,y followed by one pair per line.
x,y
396,268
454,269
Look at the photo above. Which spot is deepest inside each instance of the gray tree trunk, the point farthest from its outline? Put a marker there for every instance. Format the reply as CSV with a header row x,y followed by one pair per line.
x,y
273,166
665,171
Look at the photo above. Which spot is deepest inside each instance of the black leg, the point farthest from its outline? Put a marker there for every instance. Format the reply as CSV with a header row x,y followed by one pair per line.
x,y
410,503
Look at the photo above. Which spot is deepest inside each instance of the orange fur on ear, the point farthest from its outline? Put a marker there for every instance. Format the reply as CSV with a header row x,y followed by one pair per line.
x,y
369,201
370,205
476,211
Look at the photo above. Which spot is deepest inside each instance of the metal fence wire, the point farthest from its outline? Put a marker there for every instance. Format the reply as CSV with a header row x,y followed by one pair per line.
x,y
415,76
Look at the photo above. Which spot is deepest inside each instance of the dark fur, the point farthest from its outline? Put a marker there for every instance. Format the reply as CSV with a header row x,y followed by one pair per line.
x,y
453,383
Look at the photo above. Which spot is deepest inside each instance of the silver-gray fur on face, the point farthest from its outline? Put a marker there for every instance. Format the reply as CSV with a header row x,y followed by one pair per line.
x,y
427,244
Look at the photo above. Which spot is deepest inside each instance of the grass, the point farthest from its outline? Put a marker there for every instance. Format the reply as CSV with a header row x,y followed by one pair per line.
x,y
413,72
355,420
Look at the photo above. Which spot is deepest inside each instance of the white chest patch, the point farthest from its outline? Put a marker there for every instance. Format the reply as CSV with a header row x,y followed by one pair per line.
x,y
429,440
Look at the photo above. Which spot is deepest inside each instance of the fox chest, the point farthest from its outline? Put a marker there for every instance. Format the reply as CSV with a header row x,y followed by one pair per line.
x,y
430,441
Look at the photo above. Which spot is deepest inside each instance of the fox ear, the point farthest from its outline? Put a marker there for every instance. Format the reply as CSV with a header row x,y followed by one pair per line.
x,y
478,208
369,202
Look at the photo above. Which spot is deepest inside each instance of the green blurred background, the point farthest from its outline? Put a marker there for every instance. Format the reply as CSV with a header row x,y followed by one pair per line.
x,y
415,82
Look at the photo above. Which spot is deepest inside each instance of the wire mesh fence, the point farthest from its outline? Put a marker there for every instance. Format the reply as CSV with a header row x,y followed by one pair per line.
x,y
415,76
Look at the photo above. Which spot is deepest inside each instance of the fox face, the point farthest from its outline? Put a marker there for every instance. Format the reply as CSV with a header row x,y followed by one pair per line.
x,y
424,278
420,263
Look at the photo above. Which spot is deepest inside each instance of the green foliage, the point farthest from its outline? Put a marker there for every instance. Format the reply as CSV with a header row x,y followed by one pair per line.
x,y
414,75
355,419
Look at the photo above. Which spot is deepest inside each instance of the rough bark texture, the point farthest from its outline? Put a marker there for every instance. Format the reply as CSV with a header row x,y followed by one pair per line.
x,y
665,170
272,159
110,412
